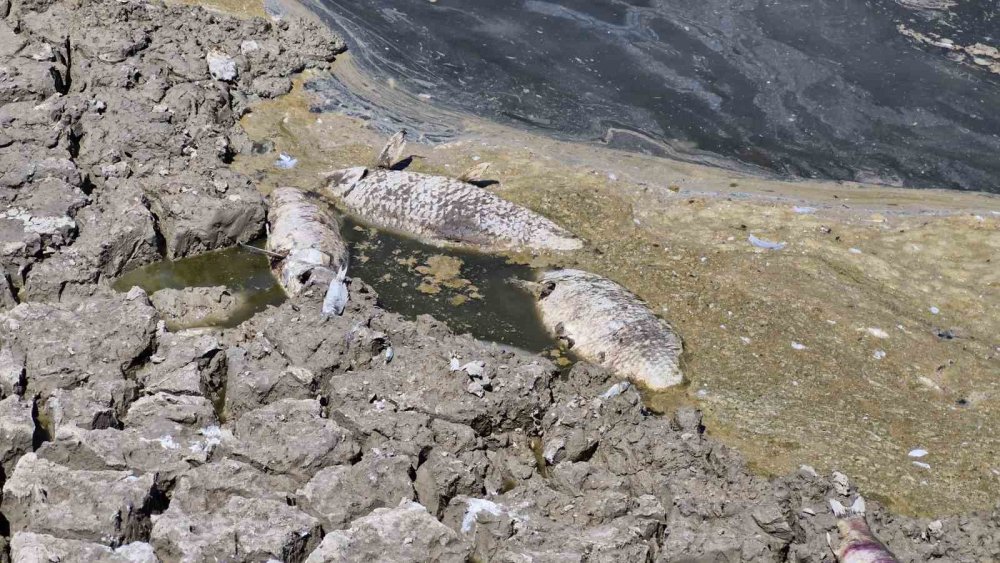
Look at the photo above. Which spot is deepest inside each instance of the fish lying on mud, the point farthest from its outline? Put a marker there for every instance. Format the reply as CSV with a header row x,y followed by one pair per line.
x,y
608,325
858,543
445,211
305,238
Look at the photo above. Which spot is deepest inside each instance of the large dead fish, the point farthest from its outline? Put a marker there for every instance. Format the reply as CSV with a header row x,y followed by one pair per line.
x,y
441,210
608,325
858,543
305,236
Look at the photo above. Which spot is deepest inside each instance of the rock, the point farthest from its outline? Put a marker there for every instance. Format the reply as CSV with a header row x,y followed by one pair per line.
x,y
407,533
252,381
8,298
66,346
189,362
771,520
194,218
239,529
443,476
27,547
221,66
194,306
230,510
17,428
108,507
290,437
82,407
162,415
340,494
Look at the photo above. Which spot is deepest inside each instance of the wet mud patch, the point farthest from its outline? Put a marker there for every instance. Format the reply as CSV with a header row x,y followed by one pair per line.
x,y
245,273
468,291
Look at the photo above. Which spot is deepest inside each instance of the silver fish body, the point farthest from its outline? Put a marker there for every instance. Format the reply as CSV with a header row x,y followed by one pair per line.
x,y
307,234
858,543
445,211
608,325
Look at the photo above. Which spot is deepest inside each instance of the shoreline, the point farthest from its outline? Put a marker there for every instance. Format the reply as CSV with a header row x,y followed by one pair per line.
x,y
633,223
326,435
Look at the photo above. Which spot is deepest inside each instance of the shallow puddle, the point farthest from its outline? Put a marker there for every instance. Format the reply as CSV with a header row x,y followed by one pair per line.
x,y
247,274
468,291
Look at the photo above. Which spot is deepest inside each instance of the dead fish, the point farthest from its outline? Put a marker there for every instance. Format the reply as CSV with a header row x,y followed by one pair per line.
x,y
858,543
608,325
445,211
392,150
307,234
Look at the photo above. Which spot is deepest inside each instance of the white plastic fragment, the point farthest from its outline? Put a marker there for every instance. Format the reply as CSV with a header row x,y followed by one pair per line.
x,y
766,244
475,506
879,354
934,310
854,250
798,346
615,390
286,162
922,465
917,453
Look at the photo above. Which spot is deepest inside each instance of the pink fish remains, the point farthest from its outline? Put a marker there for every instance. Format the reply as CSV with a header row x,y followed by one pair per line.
x,y
858,543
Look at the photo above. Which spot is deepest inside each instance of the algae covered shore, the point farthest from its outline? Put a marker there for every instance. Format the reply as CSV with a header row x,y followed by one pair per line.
x,y
878,373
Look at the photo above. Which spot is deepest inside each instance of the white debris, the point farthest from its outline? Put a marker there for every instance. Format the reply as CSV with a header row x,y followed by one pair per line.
x,y
745,340
455,365
878,354
798,346
934,310
877,332
221,66
475,369
389,354
804,210
615,390
917,453
841,483
475,506
922,465
766,244
286,162
854,250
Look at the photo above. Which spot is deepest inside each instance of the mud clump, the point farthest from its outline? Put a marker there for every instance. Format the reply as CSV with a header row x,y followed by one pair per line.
x,y
297,436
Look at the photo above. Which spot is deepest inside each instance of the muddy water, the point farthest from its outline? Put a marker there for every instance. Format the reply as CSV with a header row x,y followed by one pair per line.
x,y
246,274
468,291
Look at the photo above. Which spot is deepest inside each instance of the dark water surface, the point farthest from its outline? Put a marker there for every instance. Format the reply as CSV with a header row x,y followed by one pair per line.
x,y
814,88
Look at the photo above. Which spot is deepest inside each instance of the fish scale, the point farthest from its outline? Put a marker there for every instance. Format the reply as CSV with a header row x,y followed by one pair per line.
x,y
446,211
610,326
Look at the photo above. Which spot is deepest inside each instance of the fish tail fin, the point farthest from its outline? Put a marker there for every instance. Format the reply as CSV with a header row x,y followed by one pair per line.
x,y
856,509
335,300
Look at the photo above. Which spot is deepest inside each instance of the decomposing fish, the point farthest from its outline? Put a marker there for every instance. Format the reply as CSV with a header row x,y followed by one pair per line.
x,y
392,151
858,543
608,325
445,211
306,234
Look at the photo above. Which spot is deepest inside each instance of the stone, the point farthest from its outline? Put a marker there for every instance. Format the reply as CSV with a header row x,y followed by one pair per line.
x,y
252,382
17,428
221,66
407,533
290,437
341,493
107,507
27,547
235,528
195,306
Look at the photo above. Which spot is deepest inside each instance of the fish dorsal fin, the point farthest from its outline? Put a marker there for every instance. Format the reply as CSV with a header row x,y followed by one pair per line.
x,y
838,509
392,150
475,172
858,508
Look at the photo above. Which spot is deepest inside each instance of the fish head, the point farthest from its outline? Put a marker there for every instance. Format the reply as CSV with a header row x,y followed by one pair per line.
x,y
341,182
